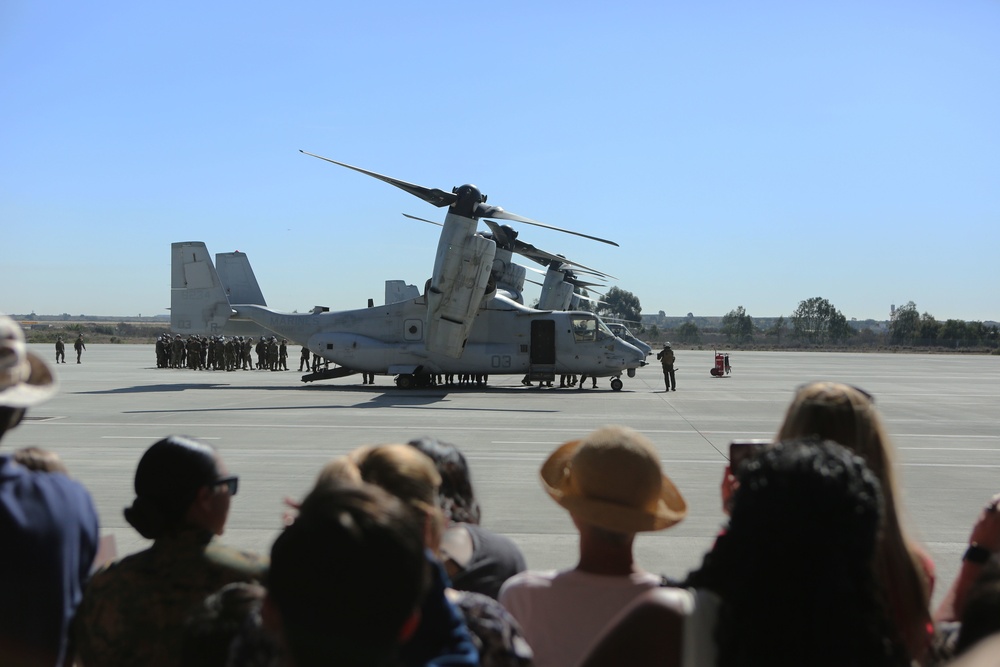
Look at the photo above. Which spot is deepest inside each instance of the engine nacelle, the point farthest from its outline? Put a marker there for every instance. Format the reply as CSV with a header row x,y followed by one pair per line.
x,y
461,275
557,294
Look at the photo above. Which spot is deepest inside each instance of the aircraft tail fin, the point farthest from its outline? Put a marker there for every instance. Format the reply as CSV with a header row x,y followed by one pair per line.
x,y
238,279
398,290
198,302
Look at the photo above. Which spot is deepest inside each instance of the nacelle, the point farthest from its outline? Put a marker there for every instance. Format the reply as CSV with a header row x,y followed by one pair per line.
x,y
455,294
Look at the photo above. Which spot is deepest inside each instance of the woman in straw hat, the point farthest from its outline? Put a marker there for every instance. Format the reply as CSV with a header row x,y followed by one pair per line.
x,y
611,484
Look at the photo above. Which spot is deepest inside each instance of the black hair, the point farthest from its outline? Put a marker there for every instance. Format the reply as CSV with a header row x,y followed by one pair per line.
x,y
981,616
166,483
794,570
9,418
211,628
347,574
455,494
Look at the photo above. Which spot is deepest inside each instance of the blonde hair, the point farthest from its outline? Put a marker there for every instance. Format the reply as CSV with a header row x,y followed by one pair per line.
x,y
402,470
846,415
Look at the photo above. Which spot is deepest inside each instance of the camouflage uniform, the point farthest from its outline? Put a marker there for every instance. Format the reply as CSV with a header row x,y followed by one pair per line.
x,y
495,633
133,611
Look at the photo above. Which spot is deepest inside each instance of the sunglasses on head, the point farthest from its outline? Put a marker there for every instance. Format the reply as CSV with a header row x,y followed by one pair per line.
x,y
232,483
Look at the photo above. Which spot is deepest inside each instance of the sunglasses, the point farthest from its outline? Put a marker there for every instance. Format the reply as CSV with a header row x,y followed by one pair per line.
x,y
232,483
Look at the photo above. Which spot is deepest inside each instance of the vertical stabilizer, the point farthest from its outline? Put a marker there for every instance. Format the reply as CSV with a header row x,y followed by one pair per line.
x,y
398,290
238,279
198,303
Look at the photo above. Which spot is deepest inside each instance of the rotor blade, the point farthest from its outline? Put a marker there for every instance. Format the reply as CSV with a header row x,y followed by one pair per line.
x,y
433,196
499,214
500,236
537,254
429,222
530,268
581,283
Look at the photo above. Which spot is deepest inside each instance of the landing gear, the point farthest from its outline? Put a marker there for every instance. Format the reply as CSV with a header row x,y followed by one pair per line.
x,y
617,384
411,380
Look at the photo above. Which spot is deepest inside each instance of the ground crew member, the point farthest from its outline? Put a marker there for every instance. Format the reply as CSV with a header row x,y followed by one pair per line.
x,y
60,350
79,347
666,357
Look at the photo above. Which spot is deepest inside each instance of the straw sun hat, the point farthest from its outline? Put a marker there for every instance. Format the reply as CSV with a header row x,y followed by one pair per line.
x,y
25,380
612,479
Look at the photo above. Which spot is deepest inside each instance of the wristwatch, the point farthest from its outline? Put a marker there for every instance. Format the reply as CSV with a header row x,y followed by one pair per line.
x,y
977,554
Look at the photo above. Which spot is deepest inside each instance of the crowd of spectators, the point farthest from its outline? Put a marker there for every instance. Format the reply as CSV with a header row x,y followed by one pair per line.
x,y
384,562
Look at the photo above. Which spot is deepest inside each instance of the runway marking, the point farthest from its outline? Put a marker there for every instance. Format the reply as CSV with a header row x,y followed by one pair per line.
x,y
144,437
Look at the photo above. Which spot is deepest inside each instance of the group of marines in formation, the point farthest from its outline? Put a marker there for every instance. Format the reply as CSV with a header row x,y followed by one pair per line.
x,y
221,353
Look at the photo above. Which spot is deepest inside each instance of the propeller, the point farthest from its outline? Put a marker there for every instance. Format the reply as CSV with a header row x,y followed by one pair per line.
x,y
466,200
505,237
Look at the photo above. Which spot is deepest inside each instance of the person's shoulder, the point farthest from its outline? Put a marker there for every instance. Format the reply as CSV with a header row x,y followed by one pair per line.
x,y
241,564
579,578
527,580
56,488
493,541
121,574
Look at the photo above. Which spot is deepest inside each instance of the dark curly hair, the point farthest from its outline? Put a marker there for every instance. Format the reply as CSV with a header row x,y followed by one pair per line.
x,y
455,495
794,570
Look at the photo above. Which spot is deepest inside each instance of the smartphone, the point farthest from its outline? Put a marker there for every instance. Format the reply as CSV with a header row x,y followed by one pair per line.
x,y
741,451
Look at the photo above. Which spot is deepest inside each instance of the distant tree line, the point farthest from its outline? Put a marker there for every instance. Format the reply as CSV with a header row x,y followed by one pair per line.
x,y
817,322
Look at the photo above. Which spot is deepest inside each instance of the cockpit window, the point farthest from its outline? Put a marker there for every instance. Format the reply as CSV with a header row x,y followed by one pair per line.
x,y
584,329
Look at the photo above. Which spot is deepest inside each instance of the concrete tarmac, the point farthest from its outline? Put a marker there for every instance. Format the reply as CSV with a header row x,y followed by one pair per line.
x,y
276,432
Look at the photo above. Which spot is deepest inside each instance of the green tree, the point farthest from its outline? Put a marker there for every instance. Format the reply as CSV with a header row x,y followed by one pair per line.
x,y
838,328
953,332
928,330
777,328
738,325
620,304
688,333
816,320
905,324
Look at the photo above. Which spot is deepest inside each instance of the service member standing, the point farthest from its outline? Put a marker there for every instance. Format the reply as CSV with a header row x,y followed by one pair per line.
x,y
60,351
666,357
79,347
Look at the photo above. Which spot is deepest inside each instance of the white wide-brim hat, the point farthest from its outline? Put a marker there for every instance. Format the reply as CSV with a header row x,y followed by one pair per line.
x,y
612,479
25,379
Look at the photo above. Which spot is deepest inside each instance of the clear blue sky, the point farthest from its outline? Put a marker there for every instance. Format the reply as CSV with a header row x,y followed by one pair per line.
x,y
748,154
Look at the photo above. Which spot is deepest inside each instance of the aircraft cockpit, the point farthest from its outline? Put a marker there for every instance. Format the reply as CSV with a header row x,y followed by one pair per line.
x,y
589,328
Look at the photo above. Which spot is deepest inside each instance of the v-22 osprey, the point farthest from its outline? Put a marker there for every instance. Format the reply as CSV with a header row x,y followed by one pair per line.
x,y
461,323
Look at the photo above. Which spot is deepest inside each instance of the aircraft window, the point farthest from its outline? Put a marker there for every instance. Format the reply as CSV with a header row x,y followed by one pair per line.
x,y
605,332
584,328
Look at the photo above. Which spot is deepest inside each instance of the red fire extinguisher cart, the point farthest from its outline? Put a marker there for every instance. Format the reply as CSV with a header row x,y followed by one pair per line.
x,y
722,367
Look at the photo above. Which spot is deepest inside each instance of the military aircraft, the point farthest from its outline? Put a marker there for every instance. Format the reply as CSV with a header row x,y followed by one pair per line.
x,y
461,323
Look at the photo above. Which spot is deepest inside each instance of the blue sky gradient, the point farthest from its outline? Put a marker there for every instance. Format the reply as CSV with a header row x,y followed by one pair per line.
x,y
742,154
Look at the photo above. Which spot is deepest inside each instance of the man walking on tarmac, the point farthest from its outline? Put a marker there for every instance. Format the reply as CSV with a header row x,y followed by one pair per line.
x,y
666,357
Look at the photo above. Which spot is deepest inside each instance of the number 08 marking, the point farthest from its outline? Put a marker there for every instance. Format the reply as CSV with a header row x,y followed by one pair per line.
x,y
500,361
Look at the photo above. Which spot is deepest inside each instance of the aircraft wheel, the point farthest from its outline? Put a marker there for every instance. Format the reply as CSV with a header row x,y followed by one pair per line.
x,y
616,385
405,381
